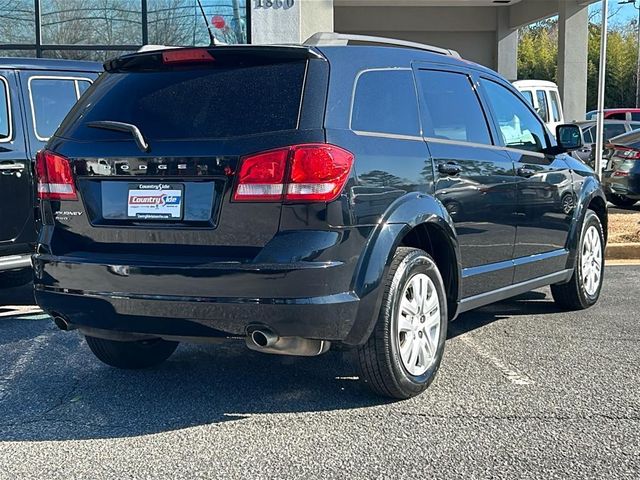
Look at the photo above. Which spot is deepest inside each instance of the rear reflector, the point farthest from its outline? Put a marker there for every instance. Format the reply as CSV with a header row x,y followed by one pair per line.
x,y
316,173
187,55
54,177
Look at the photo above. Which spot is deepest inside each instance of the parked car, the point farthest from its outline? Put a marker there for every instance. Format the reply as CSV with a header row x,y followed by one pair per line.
x,y
257,196
621,175
35,95
627,114
612,128
544,96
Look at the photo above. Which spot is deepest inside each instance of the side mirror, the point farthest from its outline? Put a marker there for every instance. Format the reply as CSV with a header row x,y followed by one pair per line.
x,y
569,137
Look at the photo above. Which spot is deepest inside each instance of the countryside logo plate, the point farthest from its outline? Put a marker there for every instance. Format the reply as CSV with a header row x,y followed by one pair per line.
x,y
158,201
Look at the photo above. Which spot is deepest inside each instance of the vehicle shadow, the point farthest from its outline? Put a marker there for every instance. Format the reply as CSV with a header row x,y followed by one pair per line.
x,y
52,388
22,296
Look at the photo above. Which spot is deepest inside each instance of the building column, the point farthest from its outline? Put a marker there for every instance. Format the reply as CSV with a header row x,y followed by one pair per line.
x,y
573,38
289,21
507,50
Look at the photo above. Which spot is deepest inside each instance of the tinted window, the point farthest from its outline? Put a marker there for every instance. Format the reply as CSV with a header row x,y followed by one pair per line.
x,y
385,101
51,100
543,110
5,117
451,108
617,116
587,135
518,125
635,116
208,102
613,130
528,95
83,85
555,105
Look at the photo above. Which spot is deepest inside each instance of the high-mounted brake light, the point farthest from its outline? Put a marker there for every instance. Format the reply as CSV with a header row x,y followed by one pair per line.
x,y
187,55
54,177
314,173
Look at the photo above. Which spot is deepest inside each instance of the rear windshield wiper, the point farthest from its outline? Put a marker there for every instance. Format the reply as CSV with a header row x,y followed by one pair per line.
x,y
122,127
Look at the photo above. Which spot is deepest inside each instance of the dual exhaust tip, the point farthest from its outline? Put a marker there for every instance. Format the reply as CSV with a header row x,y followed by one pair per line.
x,y
266,341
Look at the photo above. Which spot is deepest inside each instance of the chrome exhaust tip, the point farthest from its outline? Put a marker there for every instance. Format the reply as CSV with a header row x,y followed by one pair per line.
x,y
61,323
264,338
266,341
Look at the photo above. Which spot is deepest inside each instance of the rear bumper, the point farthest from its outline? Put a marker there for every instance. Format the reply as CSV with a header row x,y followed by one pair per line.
x,y
302,299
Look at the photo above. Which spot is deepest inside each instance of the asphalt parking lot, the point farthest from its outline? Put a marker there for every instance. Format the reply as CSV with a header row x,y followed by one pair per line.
x,y
524,392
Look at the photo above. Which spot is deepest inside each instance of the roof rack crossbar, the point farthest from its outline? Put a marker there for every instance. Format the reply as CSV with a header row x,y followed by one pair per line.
x,y
331,38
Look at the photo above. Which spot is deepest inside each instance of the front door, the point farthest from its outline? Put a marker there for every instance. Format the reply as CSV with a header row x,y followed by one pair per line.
x,y
545,188
475,179
16,193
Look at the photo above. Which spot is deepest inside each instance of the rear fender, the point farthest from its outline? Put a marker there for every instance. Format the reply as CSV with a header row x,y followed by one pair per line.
x,y
403,215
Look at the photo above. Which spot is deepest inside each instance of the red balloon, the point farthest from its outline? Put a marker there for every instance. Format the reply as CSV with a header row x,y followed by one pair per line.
x,y
218,22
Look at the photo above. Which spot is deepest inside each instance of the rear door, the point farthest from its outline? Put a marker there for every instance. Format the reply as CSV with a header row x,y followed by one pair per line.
x,y
16,194
475,179
545,187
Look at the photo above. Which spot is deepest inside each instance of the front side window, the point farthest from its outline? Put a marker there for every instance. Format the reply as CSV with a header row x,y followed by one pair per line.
x,y
555,106
617,116
519,127
385,102
543,110
451,109
51,99
5,111
587,135
613,130
528,95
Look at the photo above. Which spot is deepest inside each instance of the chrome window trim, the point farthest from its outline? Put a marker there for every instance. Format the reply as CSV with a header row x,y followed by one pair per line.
x,y
7,90
50,77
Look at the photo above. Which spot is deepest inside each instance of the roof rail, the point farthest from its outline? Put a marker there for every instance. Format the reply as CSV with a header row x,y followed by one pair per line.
x,y
331,38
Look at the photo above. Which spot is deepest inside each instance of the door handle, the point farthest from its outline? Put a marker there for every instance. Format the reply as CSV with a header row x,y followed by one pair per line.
x,y
449,168
526,172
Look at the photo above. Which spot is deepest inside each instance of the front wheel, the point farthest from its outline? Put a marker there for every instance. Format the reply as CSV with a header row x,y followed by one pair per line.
x,y
583,290
131,355
403,353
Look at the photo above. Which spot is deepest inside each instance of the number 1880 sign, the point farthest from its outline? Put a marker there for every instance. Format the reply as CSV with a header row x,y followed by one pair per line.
x,y
275,4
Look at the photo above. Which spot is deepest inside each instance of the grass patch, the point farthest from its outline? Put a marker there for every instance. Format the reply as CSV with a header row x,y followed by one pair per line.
x,y
624,228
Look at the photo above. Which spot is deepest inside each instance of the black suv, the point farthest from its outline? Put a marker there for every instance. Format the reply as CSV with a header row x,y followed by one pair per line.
x,y
35,96
299,196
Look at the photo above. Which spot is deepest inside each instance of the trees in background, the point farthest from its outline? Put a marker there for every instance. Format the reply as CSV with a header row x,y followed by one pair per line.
x,y
538,59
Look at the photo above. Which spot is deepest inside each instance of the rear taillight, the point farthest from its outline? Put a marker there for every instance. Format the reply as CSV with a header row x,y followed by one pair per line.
x,y
300,173
54,177
620,173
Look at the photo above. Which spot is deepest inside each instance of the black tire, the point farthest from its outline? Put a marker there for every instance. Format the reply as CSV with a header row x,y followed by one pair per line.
x,y
621,200
573,295
15,278
131,355
379,360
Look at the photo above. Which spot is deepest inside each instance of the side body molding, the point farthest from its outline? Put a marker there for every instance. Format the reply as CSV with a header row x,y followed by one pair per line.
x,y
403,215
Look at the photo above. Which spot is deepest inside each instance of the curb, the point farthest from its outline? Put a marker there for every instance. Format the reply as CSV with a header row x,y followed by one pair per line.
x,y
623,251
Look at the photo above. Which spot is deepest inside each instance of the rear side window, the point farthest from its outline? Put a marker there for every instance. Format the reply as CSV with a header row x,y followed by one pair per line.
x,y
528,95
613,130
51,99
555,105
197,103
385,102
543,109
451,110
5,111
635,116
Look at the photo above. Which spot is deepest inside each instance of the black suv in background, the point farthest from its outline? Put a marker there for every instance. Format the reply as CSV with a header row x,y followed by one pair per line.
x,y
35,96
298,196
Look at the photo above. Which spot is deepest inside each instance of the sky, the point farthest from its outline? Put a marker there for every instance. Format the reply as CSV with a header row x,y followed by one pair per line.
x,y
623,13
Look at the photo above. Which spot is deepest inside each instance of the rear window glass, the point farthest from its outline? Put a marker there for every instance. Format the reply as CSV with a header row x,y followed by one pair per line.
x,y
385,102
5,117
51,99
208,102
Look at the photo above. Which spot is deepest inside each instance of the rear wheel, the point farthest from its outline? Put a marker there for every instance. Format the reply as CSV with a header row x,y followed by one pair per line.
x,y
131,355
583,290
403,354
621,200
15,278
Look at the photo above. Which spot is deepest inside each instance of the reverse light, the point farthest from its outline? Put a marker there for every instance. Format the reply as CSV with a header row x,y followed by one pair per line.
x,y
187,55
314,173
54,177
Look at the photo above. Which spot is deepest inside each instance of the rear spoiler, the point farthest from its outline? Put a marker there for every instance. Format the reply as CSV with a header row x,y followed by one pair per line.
x,y
225,55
